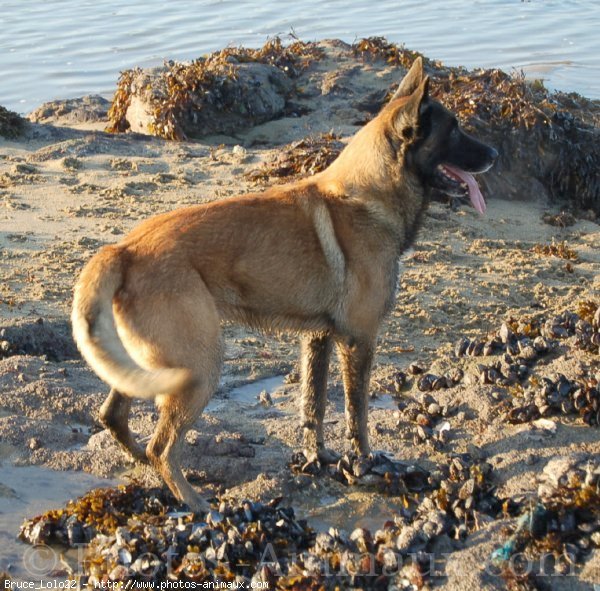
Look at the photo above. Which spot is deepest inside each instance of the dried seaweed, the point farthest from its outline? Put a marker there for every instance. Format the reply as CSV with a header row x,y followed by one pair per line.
x,y
100,511
563,219
292,59
121,101
11,123
587,309
515,581
193,85
501,100
305,157
556,249
374,48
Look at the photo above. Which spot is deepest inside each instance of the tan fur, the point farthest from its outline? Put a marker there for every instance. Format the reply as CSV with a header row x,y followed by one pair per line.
x,y
318,257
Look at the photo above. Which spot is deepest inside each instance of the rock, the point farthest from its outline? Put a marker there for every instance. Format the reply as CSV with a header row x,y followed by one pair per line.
x,y
85,109
559,471
256,94
410,538
506,334
11,123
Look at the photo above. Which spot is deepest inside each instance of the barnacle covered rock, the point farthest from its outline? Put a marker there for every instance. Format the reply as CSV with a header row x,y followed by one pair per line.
x,y
11,123
219,93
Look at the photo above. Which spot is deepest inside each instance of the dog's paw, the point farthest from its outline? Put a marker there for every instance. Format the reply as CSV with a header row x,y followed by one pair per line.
x,y
381,457
198,505
328,456
323,455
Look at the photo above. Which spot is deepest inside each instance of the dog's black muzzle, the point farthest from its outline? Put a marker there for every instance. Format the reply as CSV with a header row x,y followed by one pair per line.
x,y
470,154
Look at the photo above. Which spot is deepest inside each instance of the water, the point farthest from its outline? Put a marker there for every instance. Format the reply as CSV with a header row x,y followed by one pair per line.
x,y
26,492
248,394
66,48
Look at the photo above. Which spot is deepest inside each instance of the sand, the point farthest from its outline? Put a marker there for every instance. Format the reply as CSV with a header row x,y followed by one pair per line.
x,y
67,190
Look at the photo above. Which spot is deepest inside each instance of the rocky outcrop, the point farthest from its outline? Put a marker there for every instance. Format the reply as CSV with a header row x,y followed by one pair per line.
x,y
240,96
11,123
549,143
85,109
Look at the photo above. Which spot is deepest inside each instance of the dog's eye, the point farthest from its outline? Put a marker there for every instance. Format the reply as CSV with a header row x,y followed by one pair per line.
x,y
408,133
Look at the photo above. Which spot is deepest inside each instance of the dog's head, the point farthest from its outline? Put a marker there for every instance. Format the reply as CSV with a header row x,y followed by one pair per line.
x,y
437,150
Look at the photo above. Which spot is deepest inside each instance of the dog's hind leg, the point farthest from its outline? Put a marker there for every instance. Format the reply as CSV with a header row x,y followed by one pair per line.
x,y
177,414
356,358
178,411
114,415
174,323
316,350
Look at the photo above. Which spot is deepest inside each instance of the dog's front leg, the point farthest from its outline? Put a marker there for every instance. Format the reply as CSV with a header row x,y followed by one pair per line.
x,y
316,349
355,359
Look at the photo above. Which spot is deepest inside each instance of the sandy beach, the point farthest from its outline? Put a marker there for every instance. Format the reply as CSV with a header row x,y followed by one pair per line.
x,y
67,187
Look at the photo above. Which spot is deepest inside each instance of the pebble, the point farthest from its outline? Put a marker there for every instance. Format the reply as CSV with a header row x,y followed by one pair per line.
x,y
531,459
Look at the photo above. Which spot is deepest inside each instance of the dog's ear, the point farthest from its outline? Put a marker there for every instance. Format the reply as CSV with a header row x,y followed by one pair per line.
x,y
407,117
411,81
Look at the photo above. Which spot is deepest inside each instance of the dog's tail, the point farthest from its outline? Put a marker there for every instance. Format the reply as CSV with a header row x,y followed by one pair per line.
x,y
96,334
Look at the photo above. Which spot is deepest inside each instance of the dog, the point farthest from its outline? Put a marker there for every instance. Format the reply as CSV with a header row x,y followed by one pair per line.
x,y
318,257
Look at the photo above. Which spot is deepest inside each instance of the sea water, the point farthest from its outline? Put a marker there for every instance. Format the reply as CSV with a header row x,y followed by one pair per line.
x,y
65,48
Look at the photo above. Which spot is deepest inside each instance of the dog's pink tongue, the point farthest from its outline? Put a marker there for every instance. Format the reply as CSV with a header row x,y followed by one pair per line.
x,y
474,192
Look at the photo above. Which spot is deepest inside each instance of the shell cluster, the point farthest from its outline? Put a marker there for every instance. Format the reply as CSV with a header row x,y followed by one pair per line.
x,y
517,346
516,341
460,492
144,534
530,340
559,395
428,418
563,522
378,472
425,381
582,333
138,534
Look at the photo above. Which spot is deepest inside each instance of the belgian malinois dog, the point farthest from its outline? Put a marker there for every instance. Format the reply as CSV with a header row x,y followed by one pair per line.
x,y
318,257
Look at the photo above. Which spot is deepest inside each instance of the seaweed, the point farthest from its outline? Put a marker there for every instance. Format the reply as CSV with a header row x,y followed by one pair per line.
x,y
493,96
12,124
575,173
192,86
303,158
586,310
121,101
379,48
494,102
563,219
291,59
556,249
